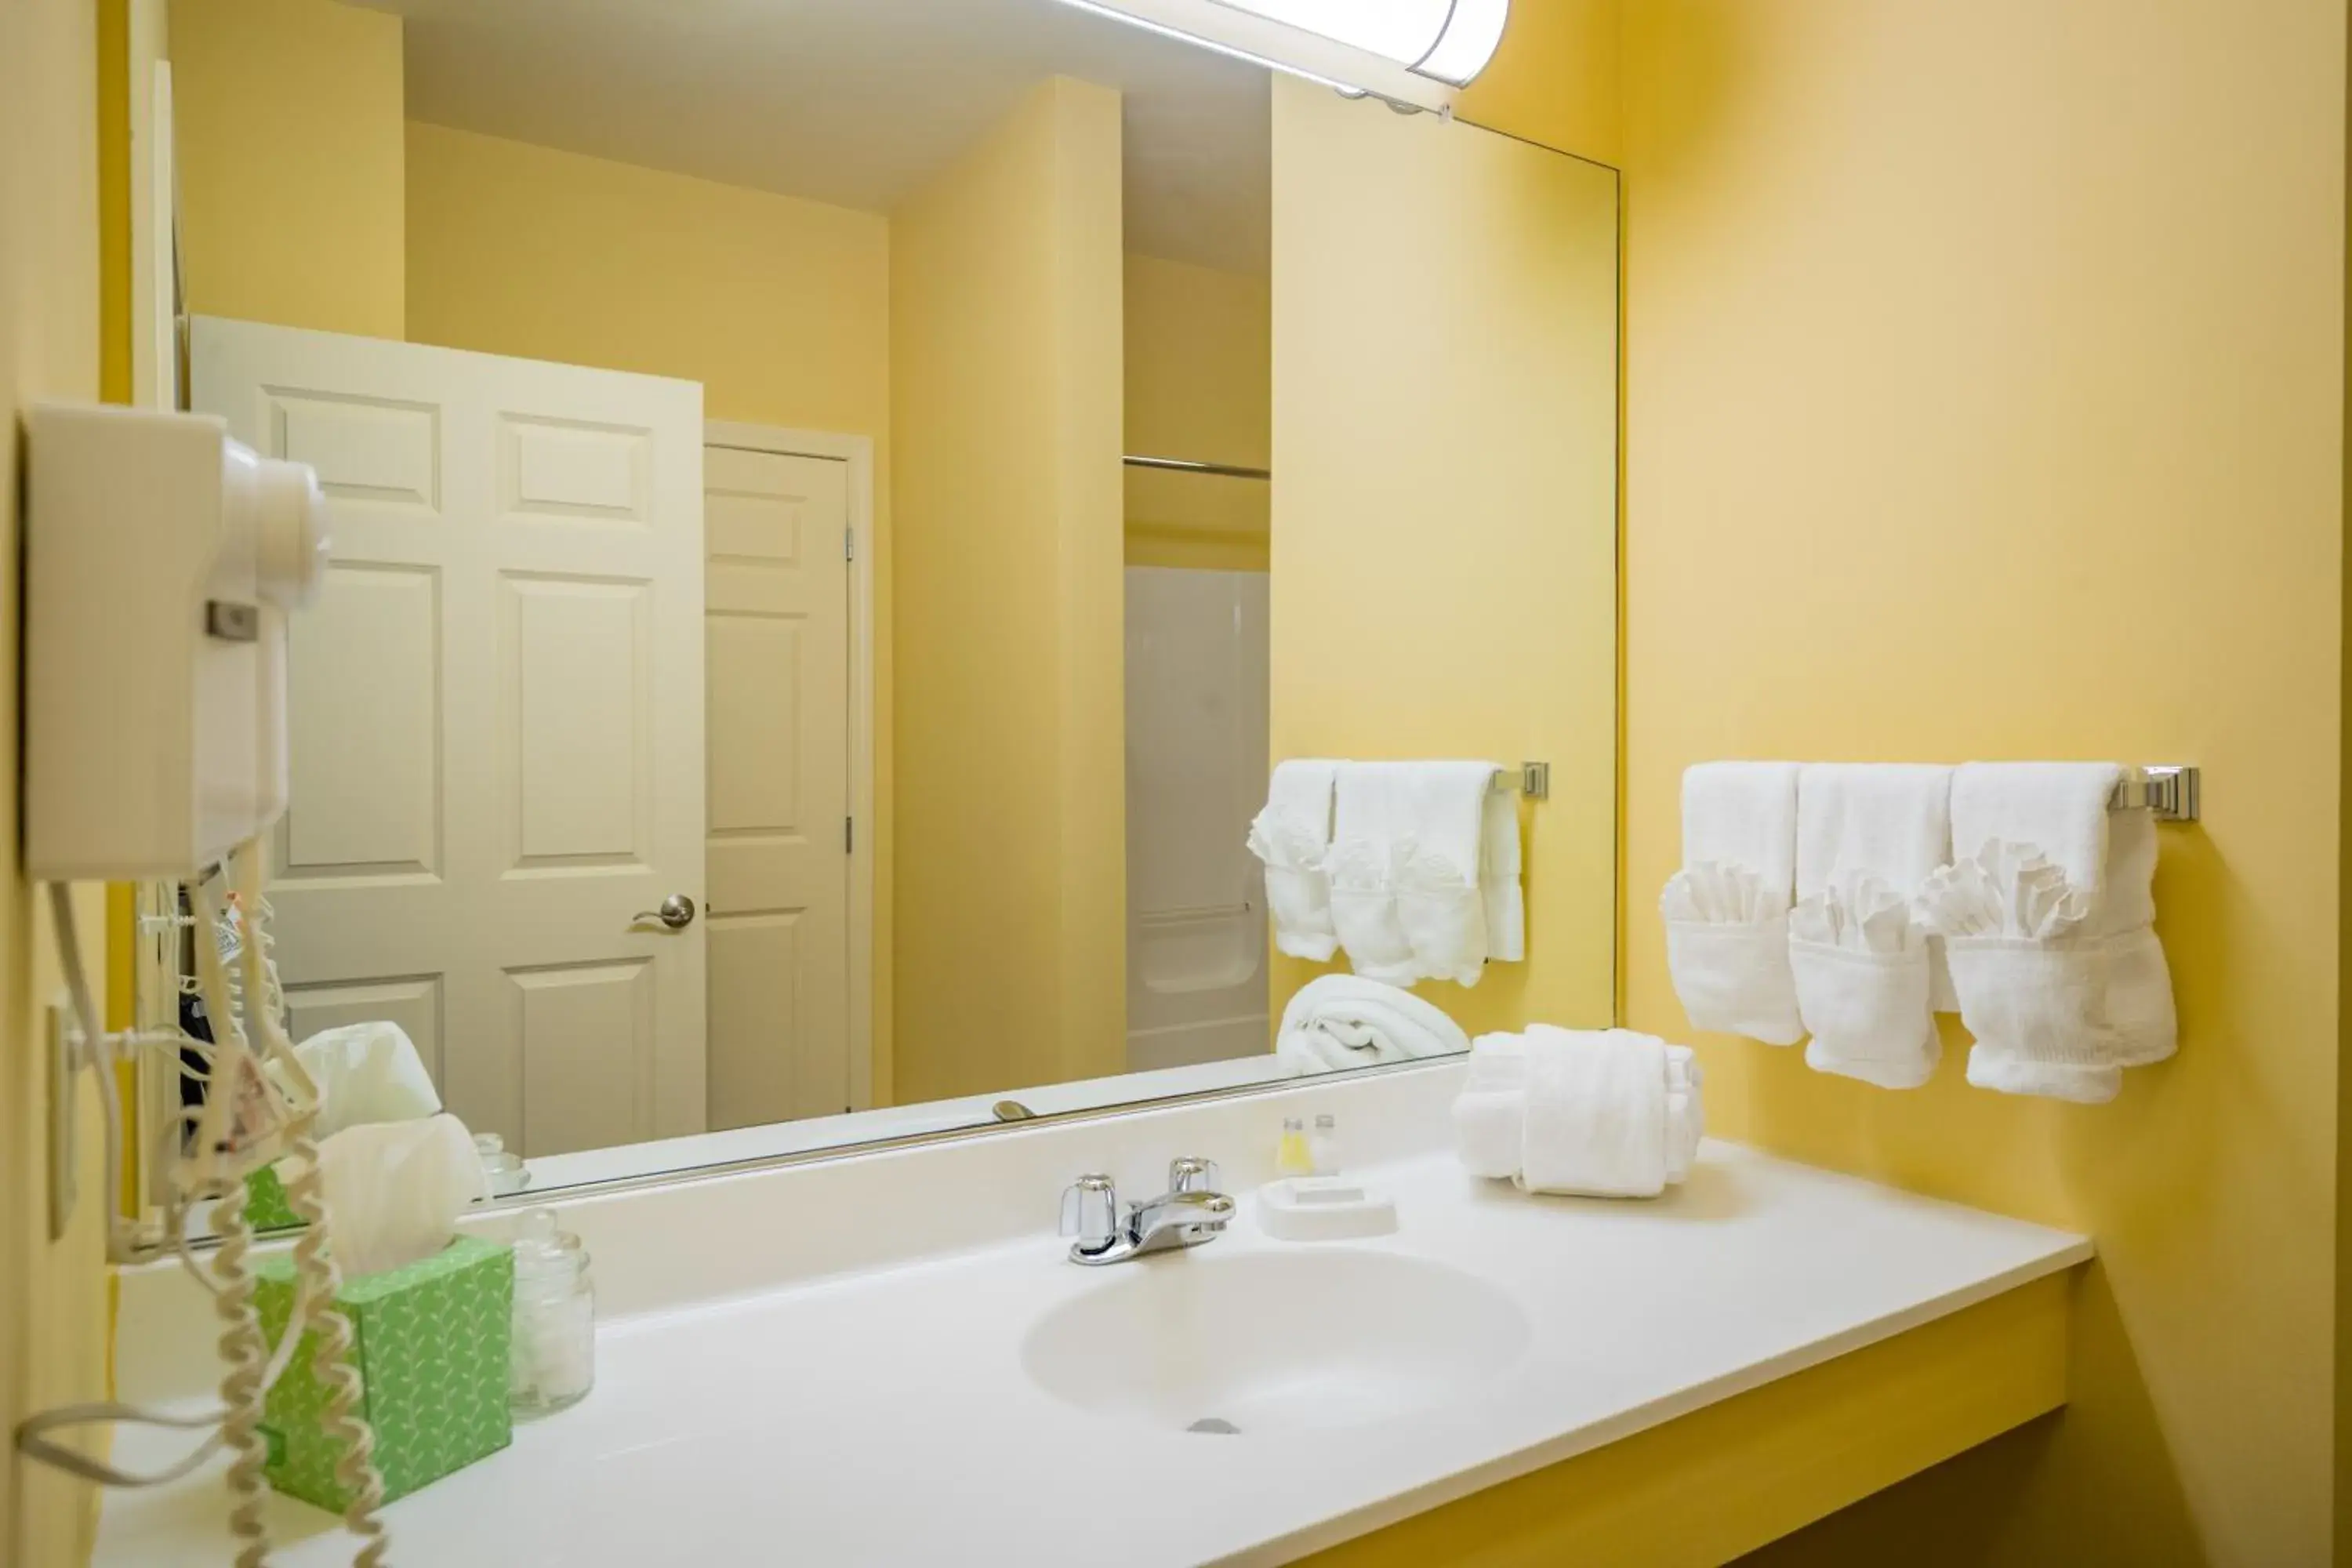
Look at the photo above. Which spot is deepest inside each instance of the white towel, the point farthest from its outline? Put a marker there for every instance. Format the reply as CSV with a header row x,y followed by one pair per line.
x,y
1489,1112
1442,825
1868,835
1498,879
1727,911
1341,1021
2058,1011
1291,835
1686,1115
1369,819
1743,814
1596,1119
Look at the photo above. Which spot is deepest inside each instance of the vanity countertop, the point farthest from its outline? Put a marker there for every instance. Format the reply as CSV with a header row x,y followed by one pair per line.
x,y
884,1417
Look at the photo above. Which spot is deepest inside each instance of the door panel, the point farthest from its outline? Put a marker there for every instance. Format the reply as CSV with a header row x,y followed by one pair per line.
x,y
497,716
777,635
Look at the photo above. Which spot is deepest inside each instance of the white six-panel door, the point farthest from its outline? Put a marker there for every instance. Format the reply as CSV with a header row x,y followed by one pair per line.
x,y
496,713
778,640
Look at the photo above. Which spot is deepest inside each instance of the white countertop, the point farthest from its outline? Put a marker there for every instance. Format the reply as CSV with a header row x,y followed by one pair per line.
x,y
884,1416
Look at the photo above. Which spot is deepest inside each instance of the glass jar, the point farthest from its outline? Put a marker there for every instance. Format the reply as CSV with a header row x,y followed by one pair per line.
x,y
552,1364
502,1169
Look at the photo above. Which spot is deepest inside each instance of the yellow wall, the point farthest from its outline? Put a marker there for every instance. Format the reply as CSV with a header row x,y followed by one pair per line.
x,y
1985,367
1005,423
779,307
53,1298
1445,497
1199,385
1554,78
289,117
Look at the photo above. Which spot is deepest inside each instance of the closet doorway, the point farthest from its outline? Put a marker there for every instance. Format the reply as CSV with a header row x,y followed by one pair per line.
x,y
789,748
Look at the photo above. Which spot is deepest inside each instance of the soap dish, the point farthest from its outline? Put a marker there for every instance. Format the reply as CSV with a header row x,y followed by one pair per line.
x,y
1324,1208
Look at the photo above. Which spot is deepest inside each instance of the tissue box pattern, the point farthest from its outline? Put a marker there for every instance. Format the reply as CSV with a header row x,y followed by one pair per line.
x,y
431,1343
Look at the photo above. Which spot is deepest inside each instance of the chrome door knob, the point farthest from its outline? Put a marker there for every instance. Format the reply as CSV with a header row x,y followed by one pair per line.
x,y
676,912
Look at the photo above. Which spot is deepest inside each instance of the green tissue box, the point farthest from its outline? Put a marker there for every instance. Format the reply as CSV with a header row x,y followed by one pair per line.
x,y
267,1206
430,1340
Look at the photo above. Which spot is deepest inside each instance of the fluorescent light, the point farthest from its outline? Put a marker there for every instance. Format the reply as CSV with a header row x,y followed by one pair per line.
x,y
1411,52
1472,31
1451,40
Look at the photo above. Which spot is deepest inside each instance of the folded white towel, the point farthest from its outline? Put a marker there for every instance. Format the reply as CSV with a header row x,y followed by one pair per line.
x,y
1893,820
1442,820
1498,879
1860,967
1291,835
2063,982
1868,834
1743,814
1727,911
1596,1119
1370,825
1341,1021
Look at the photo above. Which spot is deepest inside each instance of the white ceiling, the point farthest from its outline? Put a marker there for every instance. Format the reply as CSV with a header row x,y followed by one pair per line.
x,y
848,101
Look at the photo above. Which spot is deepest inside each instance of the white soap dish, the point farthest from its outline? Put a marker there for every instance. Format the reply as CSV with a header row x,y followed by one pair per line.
x,y
1324,1208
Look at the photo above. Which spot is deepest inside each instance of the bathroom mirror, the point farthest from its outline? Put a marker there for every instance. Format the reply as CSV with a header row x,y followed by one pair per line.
x,y
839,506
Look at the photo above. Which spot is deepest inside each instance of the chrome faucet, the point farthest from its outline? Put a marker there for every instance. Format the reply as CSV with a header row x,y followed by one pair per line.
x,y
1188,1214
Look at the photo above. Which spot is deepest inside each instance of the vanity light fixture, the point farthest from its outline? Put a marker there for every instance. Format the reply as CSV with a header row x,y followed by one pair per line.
x,y
1411,53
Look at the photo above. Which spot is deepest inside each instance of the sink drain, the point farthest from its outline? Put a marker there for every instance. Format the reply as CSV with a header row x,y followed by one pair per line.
x,y
1217,1424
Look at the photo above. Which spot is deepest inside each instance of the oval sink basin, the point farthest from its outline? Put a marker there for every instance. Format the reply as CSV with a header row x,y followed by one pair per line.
x,y
1274,1341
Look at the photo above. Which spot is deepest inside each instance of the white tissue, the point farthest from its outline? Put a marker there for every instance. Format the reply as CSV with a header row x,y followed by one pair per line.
x,y
394,1190
367,1073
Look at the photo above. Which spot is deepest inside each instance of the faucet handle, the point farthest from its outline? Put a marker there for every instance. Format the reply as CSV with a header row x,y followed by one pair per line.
x,y
1090,1211
1192,1174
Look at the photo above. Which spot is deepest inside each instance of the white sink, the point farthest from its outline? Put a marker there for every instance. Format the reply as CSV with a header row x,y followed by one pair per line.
x,y
1274,1341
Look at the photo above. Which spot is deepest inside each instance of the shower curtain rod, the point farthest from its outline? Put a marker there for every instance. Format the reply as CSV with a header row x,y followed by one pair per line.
x,y
1186,466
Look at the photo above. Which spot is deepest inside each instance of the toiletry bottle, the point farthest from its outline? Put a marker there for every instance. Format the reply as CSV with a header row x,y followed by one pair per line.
x,y
554,1360
1291,1156
1323,1148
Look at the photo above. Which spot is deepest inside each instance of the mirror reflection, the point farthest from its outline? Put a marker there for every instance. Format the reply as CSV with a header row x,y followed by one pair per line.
x,y
840,509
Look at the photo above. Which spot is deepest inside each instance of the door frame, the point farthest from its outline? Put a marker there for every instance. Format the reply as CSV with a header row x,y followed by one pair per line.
x,y
857,453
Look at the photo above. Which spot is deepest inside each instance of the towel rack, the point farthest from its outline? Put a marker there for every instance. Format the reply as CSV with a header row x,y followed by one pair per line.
x,y
2169,790
1533,781
1187,466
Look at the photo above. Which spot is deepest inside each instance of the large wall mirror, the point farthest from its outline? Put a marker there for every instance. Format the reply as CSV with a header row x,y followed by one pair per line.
x,y
839,507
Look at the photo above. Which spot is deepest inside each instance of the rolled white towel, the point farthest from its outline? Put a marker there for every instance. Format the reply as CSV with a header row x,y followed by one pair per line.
x,y
1342,1021
1489,1112
1597,1119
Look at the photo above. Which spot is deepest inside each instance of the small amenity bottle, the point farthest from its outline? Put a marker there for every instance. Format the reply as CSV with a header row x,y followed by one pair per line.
x,y
1291,1156
1323,1148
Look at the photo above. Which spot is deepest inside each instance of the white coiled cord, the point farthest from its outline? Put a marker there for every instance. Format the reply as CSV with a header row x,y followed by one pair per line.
x,y
243,1351
314,1262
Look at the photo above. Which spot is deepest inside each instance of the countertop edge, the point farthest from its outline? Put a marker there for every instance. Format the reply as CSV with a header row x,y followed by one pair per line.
x,y
1338,1529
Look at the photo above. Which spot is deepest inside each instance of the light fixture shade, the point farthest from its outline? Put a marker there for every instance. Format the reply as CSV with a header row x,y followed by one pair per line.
x,y
1451,40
